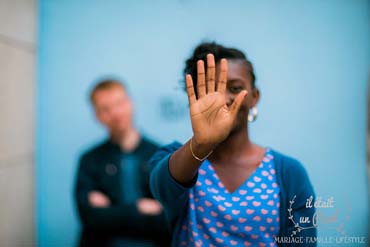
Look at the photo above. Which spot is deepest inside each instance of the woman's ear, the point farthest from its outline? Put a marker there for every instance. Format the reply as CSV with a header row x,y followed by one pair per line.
x,y
255,96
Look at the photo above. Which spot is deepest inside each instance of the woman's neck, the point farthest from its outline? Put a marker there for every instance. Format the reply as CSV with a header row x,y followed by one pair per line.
x,y
235,145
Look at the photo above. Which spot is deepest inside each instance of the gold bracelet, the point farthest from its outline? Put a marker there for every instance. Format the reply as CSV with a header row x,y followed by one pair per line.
x,y
196,157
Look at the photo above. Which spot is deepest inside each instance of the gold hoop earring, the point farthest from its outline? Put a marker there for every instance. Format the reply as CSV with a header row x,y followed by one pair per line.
x,y
252,117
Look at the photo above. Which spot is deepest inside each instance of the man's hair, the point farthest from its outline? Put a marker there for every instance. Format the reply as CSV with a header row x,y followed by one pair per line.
x,y
104,85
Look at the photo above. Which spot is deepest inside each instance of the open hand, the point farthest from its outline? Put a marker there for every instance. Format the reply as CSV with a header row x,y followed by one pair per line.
x,y
211,118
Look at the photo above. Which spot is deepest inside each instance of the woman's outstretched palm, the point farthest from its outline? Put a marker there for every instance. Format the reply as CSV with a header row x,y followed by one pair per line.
x,y
212,120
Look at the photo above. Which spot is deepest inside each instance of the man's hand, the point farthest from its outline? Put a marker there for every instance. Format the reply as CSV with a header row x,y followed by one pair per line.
x,y
211,118
98,199
149,206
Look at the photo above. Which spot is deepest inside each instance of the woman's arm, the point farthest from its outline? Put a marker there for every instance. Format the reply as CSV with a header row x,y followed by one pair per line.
x,y
211,119
176,165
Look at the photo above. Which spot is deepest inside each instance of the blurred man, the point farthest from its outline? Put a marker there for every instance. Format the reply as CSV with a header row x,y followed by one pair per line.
x,y
112,188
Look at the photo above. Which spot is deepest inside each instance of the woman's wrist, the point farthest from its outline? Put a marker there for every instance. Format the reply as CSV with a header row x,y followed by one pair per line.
x,y
199,151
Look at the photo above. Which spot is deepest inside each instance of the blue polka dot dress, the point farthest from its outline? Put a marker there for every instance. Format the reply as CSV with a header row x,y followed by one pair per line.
x,y
249,216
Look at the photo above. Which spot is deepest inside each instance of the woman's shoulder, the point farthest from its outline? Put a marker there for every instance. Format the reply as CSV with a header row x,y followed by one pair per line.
x,y
288,166
169,148
291,174
164,151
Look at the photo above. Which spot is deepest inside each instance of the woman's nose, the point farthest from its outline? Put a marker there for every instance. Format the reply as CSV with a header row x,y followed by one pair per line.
x,y
229,99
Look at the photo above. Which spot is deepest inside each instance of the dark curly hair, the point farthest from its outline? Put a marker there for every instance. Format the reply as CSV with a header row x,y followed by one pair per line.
x,y
219,52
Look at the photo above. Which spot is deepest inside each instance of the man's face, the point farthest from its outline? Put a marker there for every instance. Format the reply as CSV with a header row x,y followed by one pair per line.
x,y
113,108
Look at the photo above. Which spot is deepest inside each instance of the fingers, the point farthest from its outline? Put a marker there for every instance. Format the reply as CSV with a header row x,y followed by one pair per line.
x,y
211,73
149,206
201,85
209,86
190,89
222,81
234,108
98,199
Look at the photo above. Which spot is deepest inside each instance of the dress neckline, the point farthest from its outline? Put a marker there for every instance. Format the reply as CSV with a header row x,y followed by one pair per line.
x,y
210,166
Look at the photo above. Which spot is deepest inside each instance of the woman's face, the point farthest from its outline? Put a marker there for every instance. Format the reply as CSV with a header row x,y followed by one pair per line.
x,y
238,79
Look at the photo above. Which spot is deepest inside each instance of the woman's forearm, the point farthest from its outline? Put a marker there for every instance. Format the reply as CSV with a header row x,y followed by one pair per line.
x,y
183,165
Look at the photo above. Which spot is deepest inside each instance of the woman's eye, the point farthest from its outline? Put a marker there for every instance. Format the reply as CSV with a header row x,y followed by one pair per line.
x,y
235,89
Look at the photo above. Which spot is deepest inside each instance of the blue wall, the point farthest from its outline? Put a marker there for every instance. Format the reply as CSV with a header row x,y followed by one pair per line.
x,y
312,63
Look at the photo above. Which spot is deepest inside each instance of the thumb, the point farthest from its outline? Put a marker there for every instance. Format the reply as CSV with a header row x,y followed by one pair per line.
x,y
234,108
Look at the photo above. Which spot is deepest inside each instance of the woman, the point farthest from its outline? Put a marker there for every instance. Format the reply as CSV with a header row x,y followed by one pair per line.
x,y
220,188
